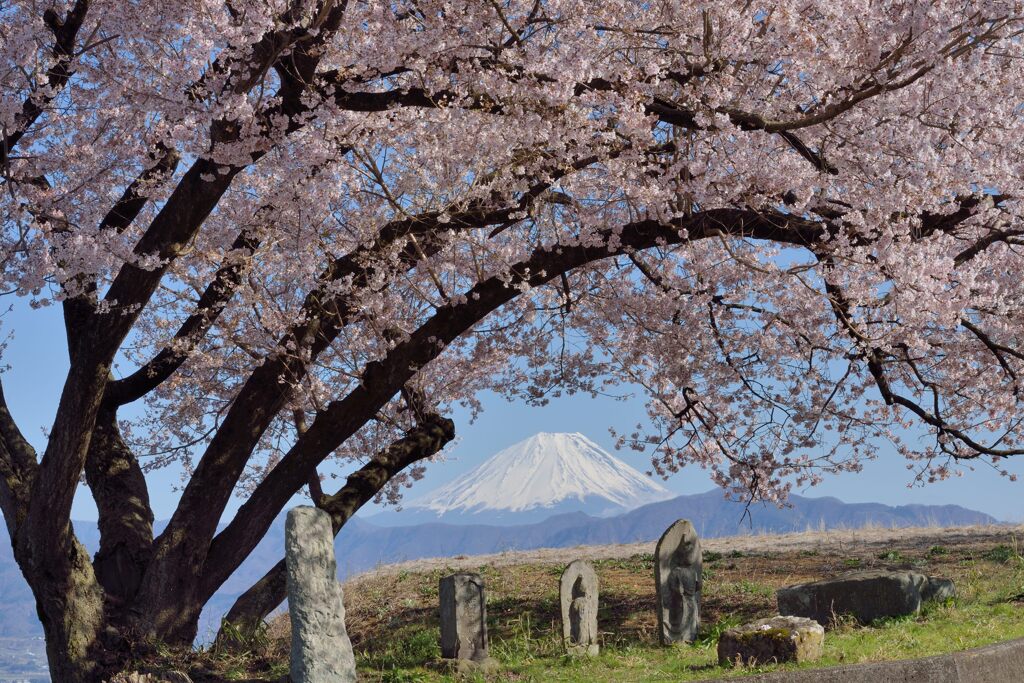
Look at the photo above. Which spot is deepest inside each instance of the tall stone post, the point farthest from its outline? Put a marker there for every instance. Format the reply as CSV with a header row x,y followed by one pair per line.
x,y
464,622
321,651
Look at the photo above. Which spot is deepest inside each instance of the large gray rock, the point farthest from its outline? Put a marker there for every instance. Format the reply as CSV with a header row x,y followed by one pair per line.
x,y
678,579
321,651
865,595
578,592
773,640
463,618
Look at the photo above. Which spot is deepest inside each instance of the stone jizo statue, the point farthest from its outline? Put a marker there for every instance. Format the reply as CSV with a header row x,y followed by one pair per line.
x,y
578,595
677,576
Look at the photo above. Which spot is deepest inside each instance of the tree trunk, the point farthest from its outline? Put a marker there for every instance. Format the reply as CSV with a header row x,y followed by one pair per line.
x,y
69,601
125,517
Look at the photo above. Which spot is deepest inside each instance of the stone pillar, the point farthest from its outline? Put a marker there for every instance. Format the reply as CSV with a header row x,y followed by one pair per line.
x,y
463,617
677,577
578,593
321,651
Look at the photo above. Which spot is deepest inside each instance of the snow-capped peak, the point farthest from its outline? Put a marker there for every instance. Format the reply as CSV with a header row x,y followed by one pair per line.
x,y
546,471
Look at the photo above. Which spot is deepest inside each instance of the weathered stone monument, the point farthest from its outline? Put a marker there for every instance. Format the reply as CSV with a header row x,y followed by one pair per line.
x,y
865,595
578,591
464,620
321,651
677,577
773,640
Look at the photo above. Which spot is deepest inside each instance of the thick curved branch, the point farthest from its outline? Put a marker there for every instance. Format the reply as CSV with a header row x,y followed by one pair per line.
x,y
348,415
264,393
427,439
125,517
132,200
17,468
382,379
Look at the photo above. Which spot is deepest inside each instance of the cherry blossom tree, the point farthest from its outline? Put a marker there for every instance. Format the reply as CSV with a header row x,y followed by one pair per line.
x,y
291,232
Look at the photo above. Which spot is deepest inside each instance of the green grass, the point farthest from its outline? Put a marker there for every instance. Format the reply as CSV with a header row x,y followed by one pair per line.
x,y
392,619
892,556
532,655
1002,553
525,636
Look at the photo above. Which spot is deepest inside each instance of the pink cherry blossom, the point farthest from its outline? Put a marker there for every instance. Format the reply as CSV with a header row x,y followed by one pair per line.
x,y
302,230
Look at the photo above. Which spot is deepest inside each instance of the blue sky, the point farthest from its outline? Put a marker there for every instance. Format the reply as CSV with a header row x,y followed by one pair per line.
x,y
37,360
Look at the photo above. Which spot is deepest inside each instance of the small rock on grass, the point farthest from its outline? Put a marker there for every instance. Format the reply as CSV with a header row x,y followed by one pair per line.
x,y
772,640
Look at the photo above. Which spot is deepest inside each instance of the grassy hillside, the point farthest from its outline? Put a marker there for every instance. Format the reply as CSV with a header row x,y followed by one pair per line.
x,y
392,614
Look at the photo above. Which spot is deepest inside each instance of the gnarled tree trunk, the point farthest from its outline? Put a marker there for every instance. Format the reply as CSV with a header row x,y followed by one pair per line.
x,y
79,646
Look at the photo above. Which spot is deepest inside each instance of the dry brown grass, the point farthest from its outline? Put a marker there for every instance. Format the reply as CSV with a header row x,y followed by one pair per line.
x,y
392,611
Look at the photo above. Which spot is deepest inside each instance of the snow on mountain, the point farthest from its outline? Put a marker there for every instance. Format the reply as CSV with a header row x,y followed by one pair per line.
x,y
545,473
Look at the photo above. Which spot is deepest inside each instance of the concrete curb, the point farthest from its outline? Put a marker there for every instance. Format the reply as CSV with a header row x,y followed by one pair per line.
x,y
999,663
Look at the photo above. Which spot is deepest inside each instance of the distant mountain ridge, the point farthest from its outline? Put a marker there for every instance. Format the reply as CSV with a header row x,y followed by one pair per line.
x,y
544,475
362,545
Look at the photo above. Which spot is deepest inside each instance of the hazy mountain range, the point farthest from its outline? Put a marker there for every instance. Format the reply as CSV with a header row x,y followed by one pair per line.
x,y
536,479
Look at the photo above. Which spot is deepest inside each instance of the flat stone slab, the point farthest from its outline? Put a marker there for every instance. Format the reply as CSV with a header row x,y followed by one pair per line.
x,y
773,640
865,595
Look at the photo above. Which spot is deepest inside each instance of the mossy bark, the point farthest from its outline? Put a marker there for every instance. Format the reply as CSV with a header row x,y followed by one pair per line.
x,y
69,601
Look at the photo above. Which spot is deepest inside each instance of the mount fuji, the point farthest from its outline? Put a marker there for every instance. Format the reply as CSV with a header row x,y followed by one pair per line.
x,y
544,475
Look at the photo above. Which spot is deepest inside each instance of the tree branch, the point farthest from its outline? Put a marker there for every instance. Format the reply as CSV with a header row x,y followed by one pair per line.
x,y
94,338
65,32
212,302
874,357
17,469
427,439
383,378
125,517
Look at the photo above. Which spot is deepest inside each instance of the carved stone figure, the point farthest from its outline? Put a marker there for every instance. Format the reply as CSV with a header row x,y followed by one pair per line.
x,y
321,651
677,576
579,594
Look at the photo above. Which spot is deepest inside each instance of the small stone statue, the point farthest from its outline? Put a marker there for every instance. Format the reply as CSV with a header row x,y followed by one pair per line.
x,y
579,593
677,576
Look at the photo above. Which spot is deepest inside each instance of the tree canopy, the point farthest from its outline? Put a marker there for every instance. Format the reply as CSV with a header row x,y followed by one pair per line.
x,y
295,230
